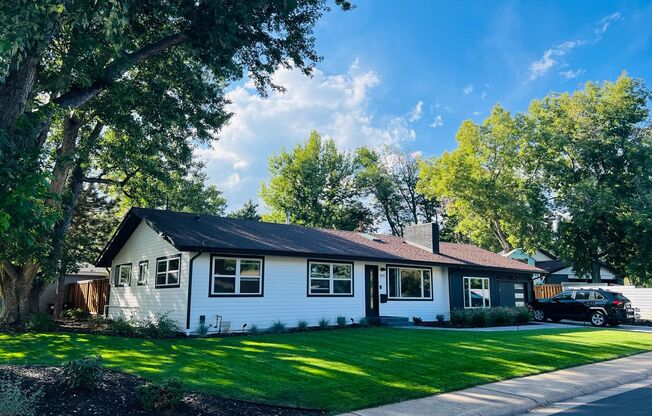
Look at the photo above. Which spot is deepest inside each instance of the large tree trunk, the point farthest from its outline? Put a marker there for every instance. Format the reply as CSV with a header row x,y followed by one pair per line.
x,y
500,236
595,273
15,90
16,286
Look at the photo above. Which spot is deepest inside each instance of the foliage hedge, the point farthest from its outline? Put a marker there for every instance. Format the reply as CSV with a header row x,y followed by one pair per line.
x,y
484,317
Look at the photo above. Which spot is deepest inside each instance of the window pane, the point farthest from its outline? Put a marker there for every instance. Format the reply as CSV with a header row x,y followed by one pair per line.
x,y
224,285
320,270
477,298
341,271
467,292
225,266
173,264
161,266
319,286
142,272
393,283
249,285
341,286
173,278
410,283
160,278
125,271
249,267
426,283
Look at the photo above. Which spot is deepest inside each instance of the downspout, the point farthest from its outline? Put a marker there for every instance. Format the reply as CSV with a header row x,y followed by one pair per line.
x,y
192,259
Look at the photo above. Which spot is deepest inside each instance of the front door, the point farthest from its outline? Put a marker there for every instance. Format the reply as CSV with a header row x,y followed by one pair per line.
x,y
371,291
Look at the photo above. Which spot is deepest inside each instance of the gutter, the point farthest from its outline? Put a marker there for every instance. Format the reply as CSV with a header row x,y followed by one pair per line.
x,y
192,259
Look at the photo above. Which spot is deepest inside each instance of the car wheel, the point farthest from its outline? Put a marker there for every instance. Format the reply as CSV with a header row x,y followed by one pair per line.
x,y
539,315
598,319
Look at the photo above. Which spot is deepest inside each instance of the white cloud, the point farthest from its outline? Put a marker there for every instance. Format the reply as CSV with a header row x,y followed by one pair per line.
x,y
476,113
570,74
483,95
417,112
334,105
604,23
468,89
437,122
551,57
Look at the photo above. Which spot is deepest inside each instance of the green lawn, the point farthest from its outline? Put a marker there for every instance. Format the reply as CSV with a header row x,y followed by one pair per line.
x,y
335,370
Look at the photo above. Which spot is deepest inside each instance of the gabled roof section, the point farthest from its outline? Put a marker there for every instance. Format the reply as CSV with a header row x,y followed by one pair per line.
x,y
192,232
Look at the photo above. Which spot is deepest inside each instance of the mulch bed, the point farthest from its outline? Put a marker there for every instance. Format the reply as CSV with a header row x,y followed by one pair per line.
x,y
116,396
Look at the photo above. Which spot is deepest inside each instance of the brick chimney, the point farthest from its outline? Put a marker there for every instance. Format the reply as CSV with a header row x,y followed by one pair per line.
x,y
424,235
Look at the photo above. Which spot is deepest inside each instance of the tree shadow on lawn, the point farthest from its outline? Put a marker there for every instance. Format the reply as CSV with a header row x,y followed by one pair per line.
x,y
334,370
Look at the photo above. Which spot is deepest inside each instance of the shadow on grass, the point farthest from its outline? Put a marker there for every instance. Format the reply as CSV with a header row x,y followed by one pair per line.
x,y
334,370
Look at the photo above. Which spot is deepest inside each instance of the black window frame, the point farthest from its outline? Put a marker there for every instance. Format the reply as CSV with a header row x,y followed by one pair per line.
x,y
409,299
236,295
156,272
143,282
330,262
116,276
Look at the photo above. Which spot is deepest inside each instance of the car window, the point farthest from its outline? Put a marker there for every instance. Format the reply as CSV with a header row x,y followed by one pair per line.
x,y
598,296
582,295
564,295
619,296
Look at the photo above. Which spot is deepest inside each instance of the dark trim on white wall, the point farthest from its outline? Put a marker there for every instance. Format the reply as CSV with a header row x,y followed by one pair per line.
x,y
192,260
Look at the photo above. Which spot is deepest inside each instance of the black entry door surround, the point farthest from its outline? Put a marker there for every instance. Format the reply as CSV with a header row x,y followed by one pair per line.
x,y
372,299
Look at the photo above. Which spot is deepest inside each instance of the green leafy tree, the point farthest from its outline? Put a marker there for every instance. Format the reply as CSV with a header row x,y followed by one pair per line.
x,y
390,177
315,185
596,150
78,77
489,186
249,211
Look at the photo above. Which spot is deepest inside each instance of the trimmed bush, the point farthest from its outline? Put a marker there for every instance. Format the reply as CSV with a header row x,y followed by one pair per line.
x,y
341,321
440,318
253,330
161,397
522,315
479,317
458,317
77,314
39,322
277,327
417,320
500,317
202,330
302,325
162,326
323,323
363,322
84,373
123,327
15,401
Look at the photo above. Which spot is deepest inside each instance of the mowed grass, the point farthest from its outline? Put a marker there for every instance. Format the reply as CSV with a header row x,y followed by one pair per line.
x,y
335,370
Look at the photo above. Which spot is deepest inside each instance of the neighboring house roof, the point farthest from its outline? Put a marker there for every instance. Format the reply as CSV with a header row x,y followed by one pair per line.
x,y
551,266
191,232
88,270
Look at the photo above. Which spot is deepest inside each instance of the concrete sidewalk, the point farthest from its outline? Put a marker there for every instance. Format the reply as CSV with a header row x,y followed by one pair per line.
x,y
517,396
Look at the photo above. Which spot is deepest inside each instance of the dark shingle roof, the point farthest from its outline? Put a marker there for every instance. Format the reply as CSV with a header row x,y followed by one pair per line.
x,y
191,232
551,265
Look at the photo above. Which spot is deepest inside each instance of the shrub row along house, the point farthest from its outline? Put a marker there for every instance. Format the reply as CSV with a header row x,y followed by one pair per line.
x,y
231,273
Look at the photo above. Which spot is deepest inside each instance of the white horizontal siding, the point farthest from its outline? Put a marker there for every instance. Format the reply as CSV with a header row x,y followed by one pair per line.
x,y
146,244
285,298
604,274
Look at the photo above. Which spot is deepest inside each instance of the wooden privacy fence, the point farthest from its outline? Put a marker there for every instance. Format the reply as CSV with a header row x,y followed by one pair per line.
x,y
90,295
547,291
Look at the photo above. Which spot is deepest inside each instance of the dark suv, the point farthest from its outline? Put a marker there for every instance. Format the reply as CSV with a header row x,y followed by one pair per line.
x,y
598,306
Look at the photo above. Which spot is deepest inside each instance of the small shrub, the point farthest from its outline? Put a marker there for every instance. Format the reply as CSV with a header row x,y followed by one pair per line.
x,y
162,326
122,326
417,320
323,323
302,325
15,401
363,322
500,317
253,330
479,318
440,318
39,322
341,321
458,317
77,314
522,315
277,327
202,330
161,396
84,373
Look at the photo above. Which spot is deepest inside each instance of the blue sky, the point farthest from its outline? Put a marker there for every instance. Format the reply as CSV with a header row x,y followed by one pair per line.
x,y
407,73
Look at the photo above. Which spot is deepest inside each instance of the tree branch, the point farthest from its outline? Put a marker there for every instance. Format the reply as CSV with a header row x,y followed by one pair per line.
x,y
77,97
